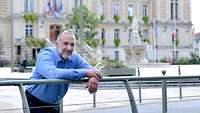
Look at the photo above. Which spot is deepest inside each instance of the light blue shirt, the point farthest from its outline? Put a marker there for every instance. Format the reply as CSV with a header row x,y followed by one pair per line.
x,y
50,65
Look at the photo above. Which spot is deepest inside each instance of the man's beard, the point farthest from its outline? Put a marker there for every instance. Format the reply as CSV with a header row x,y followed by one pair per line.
x,y
65,55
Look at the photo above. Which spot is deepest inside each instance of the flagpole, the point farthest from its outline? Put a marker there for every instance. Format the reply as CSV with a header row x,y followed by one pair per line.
x,y
154,41
174,32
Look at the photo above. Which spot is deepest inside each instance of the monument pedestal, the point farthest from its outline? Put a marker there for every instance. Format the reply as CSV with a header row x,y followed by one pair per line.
x,y
135,54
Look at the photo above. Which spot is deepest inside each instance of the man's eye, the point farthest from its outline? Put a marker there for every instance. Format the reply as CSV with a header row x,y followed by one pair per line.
x,y
72,45
66,43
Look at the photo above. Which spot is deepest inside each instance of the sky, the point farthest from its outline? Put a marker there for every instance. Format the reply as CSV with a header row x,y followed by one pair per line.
x,y
196,15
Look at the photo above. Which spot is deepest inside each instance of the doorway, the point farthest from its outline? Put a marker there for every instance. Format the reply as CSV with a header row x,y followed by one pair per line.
x,y
54,32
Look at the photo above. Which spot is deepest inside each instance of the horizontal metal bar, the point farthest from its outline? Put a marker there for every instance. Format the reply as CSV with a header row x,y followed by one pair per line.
x,y
26,82
105,79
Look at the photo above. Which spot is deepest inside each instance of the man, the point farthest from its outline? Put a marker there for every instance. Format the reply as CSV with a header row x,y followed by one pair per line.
x,y
58,62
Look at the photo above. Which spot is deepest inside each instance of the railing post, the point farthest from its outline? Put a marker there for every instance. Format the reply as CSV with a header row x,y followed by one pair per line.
x,y
139,87
24,99
131,97
180,86
61,106
164,94
94,100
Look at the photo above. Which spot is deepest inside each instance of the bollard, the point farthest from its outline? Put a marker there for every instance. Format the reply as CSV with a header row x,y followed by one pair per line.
x,y
180,86
139,87
164,94
94,100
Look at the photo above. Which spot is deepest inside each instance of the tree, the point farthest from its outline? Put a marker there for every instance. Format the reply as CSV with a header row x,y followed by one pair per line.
x,y
90,24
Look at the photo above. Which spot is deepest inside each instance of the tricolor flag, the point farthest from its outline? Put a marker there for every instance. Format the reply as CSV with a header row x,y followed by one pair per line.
x,y
55,6
48,6
174,30
193,32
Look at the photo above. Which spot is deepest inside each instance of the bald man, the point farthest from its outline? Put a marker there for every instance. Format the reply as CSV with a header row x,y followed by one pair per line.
x,y
59,62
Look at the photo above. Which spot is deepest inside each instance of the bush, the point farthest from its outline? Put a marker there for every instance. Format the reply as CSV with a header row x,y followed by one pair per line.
x,y
31,62
112,63
184,61
163,60
4,63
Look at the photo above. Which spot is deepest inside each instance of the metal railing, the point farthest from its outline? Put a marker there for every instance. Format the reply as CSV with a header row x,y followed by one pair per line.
x,y
21,82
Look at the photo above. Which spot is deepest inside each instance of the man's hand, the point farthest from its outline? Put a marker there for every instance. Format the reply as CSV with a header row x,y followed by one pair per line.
x,y
94,73
92,85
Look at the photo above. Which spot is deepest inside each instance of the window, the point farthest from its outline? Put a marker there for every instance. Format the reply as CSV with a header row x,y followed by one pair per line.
x,y
29,31
130,10
116,9
101,8
116,33
130,33
145,33
174,7
18,50
116,55
28,7
144,10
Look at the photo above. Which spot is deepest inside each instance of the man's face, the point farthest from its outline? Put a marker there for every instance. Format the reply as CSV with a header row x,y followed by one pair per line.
x,y
65,44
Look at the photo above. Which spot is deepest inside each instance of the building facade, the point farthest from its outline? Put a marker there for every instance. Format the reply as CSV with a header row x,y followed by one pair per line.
x,y
166,24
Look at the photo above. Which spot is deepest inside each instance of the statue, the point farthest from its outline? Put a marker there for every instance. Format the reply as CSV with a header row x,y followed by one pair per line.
x,y
135,52
135,39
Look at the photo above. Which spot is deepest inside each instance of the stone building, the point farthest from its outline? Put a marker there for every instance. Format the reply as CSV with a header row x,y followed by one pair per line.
x,y
52,15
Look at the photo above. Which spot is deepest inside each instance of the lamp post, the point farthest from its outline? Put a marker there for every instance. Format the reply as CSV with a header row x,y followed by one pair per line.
x,y
174,32
11,19
81,26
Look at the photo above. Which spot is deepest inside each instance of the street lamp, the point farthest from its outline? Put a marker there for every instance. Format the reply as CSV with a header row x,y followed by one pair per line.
x,y
11,19
174,32
81,26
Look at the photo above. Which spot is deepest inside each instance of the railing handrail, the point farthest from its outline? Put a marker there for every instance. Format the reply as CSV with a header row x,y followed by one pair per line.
x,y
24,81
20,82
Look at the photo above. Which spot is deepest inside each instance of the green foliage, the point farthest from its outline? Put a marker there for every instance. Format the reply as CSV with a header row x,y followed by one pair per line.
x,y
146,40
117,42
184,61
102,18
140,33
28,41
163,60
92,42
90,22
117,18
30,17
26,18
41,43
130,19
31,62
145,19
103,41
194,59
106,62
177,42
36,42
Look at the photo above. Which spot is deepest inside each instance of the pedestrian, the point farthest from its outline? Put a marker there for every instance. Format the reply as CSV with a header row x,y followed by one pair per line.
x,y
58,62
24,63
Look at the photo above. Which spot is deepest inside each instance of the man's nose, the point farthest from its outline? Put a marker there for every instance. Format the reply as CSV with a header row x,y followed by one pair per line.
x,y
69,47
